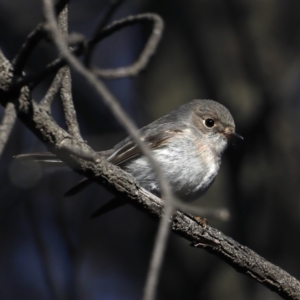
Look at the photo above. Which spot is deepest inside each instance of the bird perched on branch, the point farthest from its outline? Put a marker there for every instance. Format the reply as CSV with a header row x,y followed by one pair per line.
x,y
187,144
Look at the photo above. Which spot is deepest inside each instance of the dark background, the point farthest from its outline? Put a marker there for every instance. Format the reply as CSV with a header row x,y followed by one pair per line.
x,y
244,54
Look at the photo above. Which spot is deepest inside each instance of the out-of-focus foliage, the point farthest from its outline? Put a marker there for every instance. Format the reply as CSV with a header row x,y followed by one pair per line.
x,y
244,54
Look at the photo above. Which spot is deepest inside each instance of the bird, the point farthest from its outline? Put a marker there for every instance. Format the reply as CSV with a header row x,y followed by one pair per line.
x,y
187,144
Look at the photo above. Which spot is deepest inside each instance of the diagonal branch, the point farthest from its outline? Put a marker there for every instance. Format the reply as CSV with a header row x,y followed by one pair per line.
x,y
72,151
53,90
124,185
241,258
68,105
66,85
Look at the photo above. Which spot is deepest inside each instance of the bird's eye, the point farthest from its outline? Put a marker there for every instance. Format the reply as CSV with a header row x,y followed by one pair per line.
x,y
209,123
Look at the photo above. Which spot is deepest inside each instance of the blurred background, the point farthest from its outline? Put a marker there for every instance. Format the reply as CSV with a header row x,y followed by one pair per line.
x,y
244,54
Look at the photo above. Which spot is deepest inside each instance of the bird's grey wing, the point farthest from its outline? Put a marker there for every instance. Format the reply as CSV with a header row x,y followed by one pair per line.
x,y
127,150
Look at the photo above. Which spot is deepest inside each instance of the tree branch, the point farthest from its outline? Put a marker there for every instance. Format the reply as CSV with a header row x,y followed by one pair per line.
x,y
32,41
27,48
53,90
71,150
123,184
66,85
241,258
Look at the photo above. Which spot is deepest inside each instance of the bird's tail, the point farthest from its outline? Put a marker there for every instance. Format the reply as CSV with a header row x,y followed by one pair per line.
x,y
46,159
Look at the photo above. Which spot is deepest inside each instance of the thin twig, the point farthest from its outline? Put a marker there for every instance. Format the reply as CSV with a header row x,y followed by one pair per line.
x,y
66,85
158,252
60,5
131,70
34,79
111,101
90,47
68,105
147,52
27,48
6,127
53,90
32,41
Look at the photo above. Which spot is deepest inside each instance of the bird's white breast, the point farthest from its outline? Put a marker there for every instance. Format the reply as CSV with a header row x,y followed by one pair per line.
x,y
189,165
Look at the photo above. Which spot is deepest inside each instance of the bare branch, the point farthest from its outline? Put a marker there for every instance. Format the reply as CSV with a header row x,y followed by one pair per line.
x,y
6,127
124,185
31,42
66,86
27,48
53,90
53,67
241,258
68,105
158,254
34,79
38,120
128,71
146,53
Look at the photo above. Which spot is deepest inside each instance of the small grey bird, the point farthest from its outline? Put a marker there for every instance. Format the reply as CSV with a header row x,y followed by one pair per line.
x,y
187,143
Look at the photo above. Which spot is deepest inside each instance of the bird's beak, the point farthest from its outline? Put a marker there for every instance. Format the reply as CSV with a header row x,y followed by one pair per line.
x,y
233,136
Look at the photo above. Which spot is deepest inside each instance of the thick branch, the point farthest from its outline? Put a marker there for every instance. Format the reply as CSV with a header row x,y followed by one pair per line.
x,y
241,258
120,183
